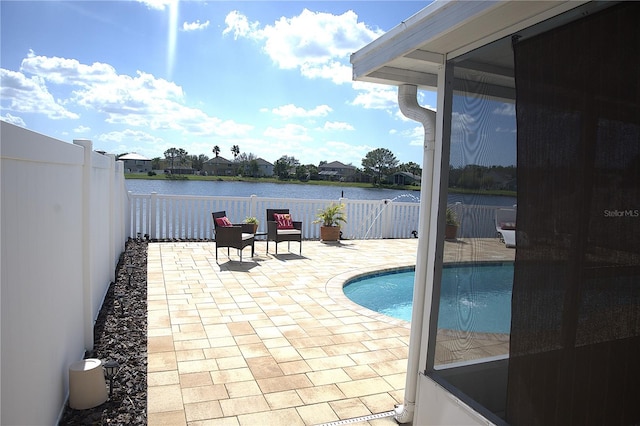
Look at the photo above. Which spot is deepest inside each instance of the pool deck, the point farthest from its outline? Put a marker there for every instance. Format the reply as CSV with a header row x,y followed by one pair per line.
x,y
274,341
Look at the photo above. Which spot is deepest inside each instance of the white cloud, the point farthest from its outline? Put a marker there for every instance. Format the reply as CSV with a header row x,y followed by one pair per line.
x,y
461,120
334,71
290,132
239,25
415,136
195,26
346,153
157,4
337,125
140,101
67,71
508,109
203,125
129,136
461,125
316,43
133,141
81,129
30,95
381,97
375,96
291,111
13,120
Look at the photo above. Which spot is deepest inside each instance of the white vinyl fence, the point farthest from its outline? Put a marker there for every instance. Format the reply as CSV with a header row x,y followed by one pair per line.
x,y
63,230
476,221
183,217
162,217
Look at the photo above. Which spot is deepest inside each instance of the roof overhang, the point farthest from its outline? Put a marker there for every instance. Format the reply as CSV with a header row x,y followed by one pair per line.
x,y
412,52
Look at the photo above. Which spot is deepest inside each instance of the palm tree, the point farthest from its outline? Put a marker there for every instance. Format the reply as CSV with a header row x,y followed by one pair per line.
x,y
182,156
216,150
235,150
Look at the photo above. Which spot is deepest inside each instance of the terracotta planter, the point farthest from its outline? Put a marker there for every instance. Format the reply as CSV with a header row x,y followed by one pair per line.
x,y
450,232
329,233
250,228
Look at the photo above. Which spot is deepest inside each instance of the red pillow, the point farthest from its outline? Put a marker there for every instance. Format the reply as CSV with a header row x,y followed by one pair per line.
x,y
284,220
223,222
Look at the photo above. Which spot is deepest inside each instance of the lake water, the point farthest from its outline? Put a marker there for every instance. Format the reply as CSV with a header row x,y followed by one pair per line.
x,y
284,190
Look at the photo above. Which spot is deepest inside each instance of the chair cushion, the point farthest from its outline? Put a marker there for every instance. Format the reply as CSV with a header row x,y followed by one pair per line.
x,y
289,231
223,222
284,220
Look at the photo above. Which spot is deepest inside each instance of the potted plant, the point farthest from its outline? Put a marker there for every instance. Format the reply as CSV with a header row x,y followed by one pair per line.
x,y
253,221
451,228
329,219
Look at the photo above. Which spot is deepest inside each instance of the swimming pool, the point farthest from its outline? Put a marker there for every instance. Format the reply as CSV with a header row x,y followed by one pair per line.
x,y
474,297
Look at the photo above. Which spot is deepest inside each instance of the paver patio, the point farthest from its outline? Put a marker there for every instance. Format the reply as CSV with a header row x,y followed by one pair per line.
x,y
274,341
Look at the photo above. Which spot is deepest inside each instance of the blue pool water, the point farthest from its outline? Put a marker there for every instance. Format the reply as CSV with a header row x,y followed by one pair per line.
x,y
474,297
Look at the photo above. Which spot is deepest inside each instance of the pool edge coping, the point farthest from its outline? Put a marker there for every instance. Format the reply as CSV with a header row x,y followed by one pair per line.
x,y
334,288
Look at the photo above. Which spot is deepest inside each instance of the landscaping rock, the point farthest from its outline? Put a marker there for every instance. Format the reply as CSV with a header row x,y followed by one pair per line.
x,y
120,334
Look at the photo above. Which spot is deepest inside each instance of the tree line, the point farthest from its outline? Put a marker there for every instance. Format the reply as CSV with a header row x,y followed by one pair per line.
x,y
377,164
482,178
376,167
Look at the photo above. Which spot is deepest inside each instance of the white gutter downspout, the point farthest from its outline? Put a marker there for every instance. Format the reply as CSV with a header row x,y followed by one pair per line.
x,y
408,102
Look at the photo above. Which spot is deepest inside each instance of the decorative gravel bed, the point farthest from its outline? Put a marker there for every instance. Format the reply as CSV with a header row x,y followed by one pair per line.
x,y
120,334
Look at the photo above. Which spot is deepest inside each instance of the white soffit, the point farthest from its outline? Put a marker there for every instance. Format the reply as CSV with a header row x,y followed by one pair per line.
x,y
413,51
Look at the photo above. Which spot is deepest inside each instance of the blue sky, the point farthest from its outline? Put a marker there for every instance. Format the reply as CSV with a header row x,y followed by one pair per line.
x,y
273,78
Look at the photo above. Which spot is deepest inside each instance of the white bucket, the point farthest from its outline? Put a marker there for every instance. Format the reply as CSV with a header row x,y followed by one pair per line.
x,y
87,386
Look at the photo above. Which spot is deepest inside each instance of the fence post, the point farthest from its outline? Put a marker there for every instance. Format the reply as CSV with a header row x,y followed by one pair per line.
x,y
87,285
387,219
253,206
130,221
153,211
124,207
112,212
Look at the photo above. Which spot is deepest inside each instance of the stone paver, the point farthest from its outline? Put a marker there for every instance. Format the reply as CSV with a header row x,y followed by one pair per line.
x,y
273,340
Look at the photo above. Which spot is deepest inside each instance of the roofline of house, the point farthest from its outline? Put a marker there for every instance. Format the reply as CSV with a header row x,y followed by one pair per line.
x,y
444,30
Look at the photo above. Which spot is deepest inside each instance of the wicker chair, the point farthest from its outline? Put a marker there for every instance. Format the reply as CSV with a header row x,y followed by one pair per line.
x,y
237,236
278,235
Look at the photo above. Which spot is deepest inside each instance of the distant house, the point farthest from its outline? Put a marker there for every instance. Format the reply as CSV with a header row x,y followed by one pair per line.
x,y
135,163
336,171
180,171
405,178
265,168
218,166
